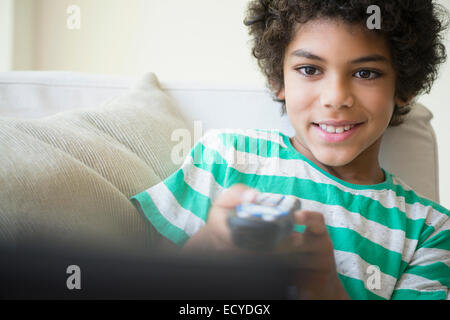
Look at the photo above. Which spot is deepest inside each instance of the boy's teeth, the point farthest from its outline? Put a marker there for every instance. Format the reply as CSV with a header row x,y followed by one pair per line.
x,y
332,129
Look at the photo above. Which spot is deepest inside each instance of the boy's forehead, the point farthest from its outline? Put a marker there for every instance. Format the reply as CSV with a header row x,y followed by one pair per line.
x,y
328,35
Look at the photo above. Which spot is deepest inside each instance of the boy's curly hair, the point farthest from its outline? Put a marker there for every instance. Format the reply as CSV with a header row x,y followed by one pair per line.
x,y
413,30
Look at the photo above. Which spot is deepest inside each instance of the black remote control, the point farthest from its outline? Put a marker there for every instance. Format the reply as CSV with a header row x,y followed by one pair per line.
x,y
264,223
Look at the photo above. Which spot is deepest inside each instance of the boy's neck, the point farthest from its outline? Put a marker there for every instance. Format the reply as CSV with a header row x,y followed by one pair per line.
x,y
363,170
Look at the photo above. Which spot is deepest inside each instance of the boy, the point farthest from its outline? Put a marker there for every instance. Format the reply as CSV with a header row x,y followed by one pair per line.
x,y
341,85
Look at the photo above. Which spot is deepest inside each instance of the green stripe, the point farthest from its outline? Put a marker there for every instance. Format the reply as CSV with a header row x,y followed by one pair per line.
x,y
437,271
438,241
144,203
210,161
356,289
299,228
408,294
348,240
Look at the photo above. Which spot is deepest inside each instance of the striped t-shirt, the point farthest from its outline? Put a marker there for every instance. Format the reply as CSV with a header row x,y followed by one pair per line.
x,y
389,241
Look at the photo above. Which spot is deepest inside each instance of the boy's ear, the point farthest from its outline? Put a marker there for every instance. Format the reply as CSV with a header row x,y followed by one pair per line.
x,y
400,102
281,95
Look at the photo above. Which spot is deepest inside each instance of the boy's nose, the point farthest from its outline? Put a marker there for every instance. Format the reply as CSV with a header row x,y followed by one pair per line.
x,y
336,93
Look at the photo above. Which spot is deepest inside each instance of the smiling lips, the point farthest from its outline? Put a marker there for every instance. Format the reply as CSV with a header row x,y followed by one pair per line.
x,y
334,129
331,133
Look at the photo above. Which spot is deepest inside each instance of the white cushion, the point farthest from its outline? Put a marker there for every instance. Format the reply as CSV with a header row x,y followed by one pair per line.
x,y
408,151
68,177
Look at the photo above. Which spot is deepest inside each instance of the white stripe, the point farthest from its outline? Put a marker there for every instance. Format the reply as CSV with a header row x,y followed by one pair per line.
x,y
170,209
339,217
425,256
438,228
351,265
418,283
201,180
397,181
418,210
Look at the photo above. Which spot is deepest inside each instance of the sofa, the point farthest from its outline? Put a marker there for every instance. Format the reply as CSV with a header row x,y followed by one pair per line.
x,y
75,146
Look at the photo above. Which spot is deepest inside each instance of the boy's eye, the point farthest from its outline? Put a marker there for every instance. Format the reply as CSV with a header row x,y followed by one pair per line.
x,y
367,74
308,71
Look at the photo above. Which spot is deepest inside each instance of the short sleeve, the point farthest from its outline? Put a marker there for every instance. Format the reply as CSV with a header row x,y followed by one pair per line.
x,y
178,206
427,276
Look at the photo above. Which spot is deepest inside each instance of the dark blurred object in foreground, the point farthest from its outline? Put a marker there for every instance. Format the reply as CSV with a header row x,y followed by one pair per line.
x,y
41,272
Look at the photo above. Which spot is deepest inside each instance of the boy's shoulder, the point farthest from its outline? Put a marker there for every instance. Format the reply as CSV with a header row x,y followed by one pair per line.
x,y
415,200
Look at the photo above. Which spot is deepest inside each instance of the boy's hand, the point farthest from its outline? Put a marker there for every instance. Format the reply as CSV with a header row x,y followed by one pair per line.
x,y
312,251
216,235
313,257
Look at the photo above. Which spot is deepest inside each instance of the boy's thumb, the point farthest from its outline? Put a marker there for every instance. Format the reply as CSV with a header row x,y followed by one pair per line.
x,y
235,195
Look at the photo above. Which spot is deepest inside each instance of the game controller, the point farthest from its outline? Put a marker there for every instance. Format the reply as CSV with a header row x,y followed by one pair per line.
x,y
264,223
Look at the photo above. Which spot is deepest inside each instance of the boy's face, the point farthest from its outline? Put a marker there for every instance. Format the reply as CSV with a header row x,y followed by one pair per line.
x,y
323,82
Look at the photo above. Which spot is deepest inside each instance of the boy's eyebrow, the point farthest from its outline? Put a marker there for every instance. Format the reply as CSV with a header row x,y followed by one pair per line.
x,y
306,54
371,58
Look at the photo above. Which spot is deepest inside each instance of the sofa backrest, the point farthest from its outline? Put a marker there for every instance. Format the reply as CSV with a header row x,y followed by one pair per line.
x,y
409,151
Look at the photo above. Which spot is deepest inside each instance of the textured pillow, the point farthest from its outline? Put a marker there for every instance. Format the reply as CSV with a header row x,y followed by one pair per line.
x,y
68,177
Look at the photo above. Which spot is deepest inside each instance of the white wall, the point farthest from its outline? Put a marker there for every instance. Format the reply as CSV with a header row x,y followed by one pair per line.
x,y
6,34
178,40
24,27
196,40
438,101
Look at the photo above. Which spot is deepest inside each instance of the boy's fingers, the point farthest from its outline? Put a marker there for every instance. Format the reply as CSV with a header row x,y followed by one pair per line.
x,y
313,220
230,198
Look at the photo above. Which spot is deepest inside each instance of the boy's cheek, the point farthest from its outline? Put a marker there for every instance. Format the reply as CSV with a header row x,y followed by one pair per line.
x,y
300,102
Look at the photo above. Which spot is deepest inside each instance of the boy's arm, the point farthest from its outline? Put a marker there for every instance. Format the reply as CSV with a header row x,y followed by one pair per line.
x,y
177,207
427,276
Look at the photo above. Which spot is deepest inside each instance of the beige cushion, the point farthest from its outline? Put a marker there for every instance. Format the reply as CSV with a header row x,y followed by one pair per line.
x,y
68,177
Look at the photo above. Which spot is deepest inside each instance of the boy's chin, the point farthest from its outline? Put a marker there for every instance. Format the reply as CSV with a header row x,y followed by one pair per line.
x,y
337,159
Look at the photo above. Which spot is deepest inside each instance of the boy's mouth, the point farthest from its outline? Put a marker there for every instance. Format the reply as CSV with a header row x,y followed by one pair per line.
x,y
332,128
331,133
